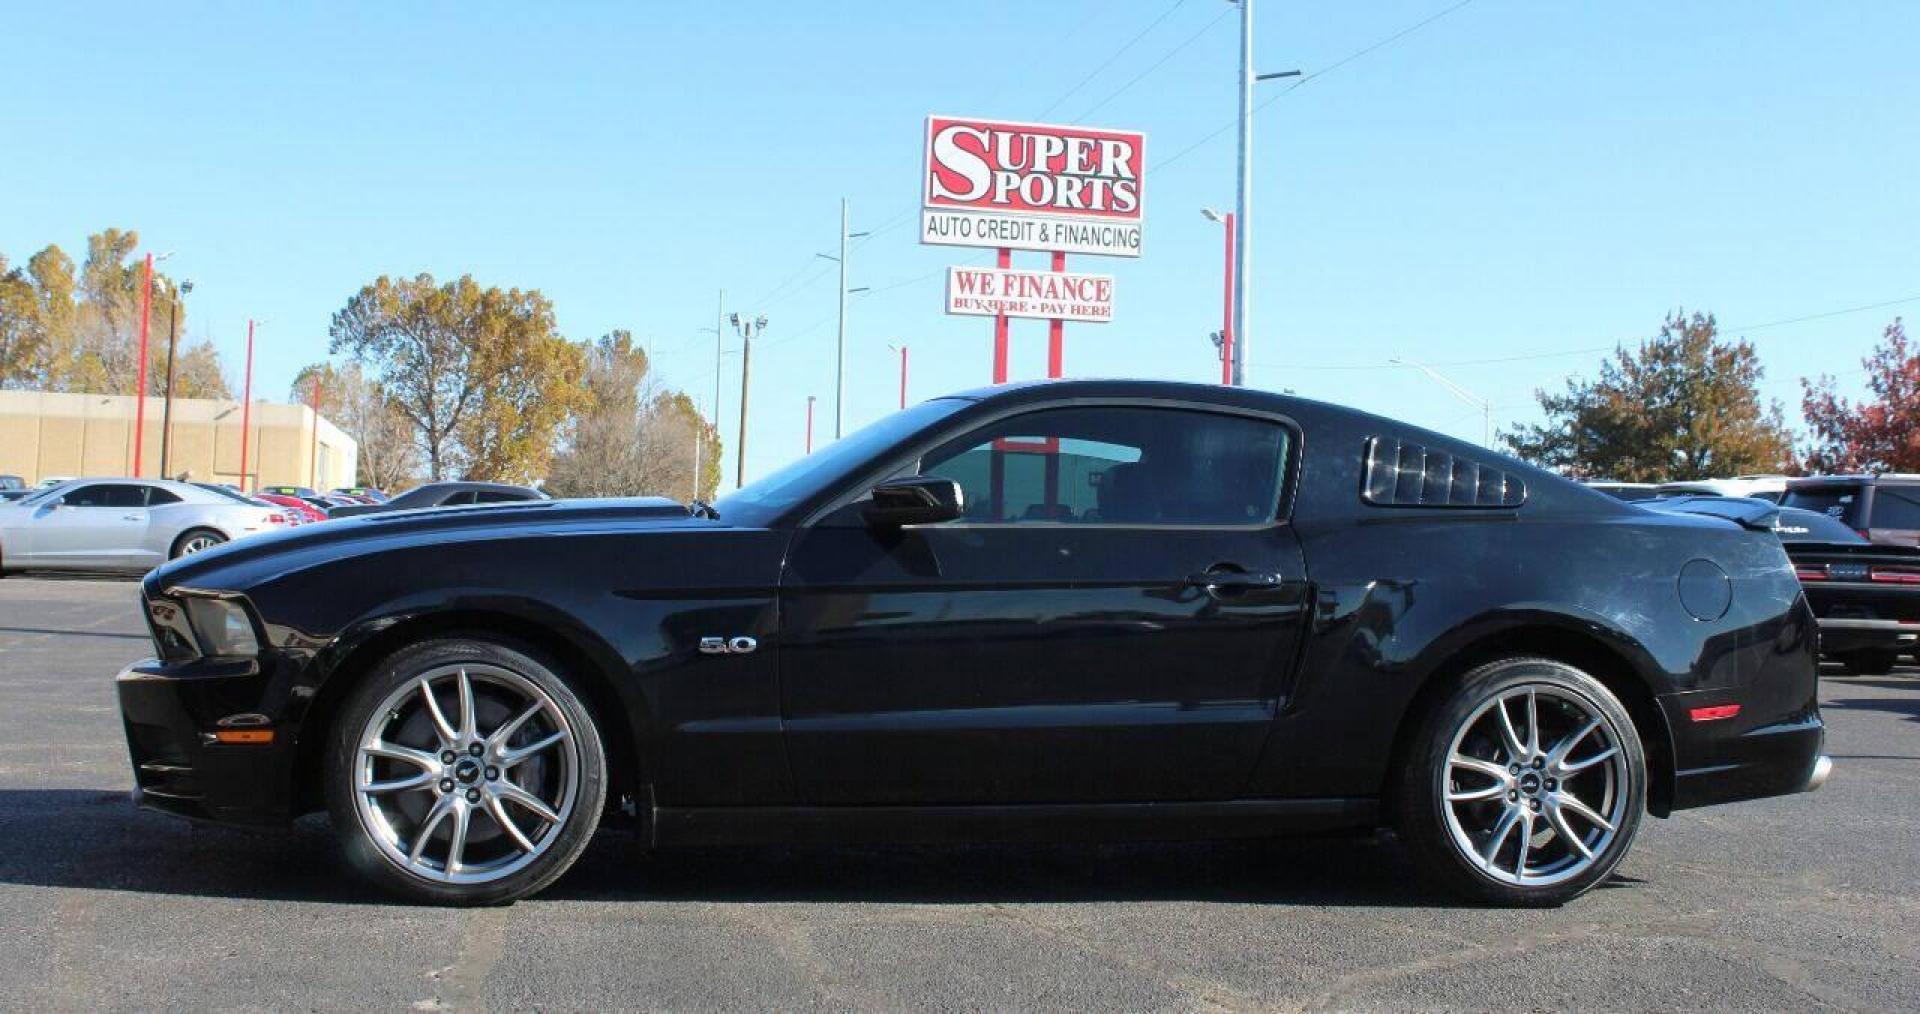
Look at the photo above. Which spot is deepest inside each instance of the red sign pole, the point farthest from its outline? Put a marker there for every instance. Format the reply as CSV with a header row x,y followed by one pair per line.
x,y
1004,260
903,377
140,383
1226,320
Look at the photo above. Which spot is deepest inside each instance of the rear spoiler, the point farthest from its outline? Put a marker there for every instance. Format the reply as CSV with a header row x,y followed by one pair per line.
x,y
1756,515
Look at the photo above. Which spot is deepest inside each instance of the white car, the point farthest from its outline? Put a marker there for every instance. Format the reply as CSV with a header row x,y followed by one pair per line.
x,y
124,524
1759,487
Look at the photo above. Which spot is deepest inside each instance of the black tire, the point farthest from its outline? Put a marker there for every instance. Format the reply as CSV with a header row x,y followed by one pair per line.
x,y
1869,661
1422,811
180,544
560,844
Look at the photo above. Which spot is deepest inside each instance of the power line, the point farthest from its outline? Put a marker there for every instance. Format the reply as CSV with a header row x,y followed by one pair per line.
x,y
1302,83
1109,61
1156,65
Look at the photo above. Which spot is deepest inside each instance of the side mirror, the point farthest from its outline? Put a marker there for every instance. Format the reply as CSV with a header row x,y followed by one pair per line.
x,y
921,500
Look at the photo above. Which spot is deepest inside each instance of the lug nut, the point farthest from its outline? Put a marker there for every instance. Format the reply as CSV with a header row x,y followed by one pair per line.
x,y
1535,803
1513,769
446,785
1539,762
475,749
1513,797
1551,785
493,773
448,757
473,796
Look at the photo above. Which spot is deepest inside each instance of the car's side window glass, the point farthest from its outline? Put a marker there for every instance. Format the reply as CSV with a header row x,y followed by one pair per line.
x,y
497,498
157,497
106,495
458,499
1896,507
1113,465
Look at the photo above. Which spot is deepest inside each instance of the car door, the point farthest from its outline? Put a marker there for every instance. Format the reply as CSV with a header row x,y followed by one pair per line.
x,y
99,524
1114,619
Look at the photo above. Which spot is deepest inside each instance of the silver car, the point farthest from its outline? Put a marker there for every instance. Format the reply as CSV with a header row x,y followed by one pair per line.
x,y
124,524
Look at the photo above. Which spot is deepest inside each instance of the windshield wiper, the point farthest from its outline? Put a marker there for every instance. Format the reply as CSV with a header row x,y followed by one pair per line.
x,y
702,509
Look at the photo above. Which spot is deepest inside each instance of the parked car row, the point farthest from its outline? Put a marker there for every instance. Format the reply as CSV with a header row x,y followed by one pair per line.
x,y
138,524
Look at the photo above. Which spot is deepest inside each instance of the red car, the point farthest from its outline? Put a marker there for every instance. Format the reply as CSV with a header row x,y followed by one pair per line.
x,y
304,510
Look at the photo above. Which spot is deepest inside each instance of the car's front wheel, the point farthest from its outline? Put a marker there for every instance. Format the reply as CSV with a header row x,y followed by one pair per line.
x,y
1525,784
465,771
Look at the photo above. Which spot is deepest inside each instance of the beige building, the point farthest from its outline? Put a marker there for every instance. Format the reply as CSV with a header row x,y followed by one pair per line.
x,y
43,435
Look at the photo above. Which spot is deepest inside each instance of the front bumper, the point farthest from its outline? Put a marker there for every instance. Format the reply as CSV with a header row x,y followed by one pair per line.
x,y
173,714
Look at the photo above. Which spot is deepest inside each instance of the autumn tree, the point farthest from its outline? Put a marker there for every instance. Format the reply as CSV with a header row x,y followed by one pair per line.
x,y
22,337
388,457
480,373
1877,435
633,438
1683,405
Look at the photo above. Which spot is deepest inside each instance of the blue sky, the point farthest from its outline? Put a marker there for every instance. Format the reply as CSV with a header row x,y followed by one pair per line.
x,y
1514,179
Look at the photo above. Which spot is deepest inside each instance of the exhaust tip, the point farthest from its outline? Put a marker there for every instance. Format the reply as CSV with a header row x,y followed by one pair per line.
x,y
1822,769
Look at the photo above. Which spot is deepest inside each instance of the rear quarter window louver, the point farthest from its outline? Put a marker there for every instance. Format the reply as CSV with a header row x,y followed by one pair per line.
x,y
1404,474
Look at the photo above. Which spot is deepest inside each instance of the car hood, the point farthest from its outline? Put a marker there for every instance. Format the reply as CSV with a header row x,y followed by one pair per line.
x,y
236,563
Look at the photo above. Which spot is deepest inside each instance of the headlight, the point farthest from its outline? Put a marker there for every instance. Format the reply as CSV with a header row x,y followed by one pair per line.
x,y
223,627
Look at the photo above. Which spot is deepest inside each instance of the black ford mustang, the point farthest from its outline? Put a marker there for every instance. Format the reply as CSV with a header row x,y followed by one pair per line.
x,y
1102,609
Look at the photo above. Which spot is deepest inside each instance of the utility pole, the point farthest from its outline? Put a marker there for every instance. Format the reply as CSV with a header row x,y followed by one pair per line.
x,y
1485,406
902,349
173,350
809,444
1243,200
1243,203
747,329
840,346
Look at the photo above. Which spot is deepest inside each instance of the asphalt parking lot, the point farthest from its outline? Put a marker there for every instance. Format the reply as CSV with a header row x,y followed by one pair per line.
x,y
1796,903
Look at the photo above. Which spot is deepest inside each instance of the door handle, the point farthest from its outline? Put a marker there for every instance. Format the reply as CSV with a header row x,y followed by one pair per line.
x,y
1216,581
133,517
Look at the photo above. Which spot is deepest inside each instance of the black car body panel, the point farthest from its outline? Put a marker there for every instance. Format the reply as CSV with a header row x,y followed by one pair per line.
x,y
984,677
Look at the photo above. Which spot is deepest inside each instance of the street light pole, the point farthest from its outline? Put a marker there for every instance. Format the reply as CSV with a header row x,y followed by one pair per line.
x,y
809,444
1226,342
840,345
1243,200
140,381
1485,406
173,350
719,325
902,349
246,405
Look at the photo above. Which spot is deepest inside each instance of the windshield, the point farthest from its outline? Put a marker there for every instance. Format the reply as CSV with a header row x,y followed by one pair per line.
x,y
792,484
1809,526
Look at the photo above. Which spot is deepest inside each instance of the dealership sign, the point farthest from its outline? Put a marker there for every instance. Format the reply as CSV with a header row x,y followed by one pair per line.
x,y
1049,295
1027,186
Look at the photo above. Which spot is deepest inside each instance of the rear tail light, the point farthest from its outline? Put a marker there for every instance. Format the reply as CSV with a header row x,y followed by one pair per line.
x,y
1810,572
1895,575
277,519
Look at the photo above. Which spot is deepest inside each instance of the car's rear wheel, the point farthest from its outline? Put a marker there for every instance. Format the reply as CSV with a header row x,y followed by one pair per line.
x,y
1525,784
1869,661
465,771
195,540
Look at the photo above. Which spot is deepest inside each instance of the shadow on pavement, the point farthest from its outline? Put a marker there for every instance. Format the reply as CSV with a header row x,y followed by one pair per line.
x,y
97,839
1909,707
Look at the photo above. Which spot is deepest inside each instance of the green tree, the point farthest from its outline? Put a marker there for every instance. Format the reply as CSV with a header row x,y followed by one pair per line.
x,y
480,373
631,438
1682,406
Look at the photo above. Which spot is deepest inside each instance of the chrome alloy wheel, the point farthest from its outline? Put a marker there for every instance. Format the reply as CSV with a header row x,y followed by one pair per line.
x,y
1534,786
465,774
200,542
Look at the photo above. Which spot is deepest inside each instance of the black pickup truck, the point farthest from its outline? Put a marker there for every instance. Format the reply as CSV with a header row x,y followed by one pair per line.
x,y
1867,596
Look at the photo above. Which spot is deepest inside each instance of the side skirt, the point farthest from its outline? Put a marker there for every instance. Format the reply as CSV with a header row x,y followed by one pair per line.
x,y
1238,818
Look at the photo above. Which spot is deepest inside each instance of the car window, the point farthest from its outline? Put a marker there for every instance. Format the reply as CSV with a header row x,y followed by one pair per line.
x,y
1896,507
1107,465
1810,526
157,497
1835,501
107,494
498,496
458,499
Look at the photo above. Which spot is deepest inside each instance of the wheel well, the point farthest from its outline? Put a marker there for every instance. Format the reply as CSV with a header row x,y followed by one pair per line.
x,y
1582,651
587,677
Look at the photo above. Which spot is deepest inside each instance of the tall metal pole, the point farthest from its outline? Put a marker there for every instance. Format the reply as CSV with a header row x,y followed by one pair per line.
x,y
313,455
903,377
809,444
719,324
840,348
166,410
140,383
1228,347
246,405
740,445
1244,199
